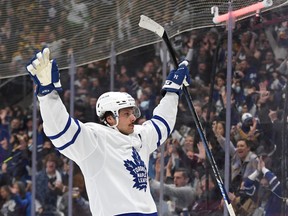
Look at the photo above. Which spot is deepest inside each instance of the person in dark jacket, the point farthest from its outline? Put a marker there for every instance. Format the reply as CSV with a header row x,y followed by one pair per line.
x,y
268,190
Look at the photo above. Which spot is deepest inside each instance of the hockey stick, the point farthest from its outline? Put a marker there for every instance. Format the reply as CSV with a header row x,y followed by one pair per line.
x,y
151,25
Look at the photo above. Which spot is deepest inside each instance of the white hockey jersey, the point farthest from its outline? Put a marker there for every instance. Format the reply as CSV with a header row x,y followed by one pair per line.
x,y
114,165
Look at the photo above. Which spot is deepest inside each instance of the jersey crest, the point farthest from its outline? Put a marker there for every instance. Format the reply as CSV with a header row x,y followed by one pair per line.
x,y
138,170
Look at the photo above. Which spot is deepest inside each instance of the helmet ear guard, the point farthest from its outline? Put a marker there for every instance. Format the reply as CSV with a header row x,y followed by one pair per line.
x,y
106,115
105,121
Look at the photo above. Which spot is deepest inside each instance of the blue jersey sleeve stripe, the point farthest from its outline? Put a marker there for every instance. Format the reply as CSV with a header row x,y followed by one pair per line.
x,y
158,132
63,131
274,188
164,122
74,137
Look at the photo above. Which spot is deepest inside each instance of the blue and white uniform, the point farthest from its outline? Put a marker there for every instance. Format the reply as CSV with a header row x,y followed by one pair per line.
x,y
114,165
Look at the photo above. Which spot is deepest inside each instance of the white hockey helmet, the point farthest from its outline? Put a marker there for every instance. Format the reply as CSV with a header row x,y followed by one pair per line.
x,y
113,102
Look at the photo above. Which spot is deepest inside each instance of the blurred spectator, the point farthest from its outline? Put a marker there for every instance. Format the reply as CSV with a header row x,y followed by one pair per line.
x,y
123,20
4,58
47,149
202,74
250,128
188,144
216,149
248,71
21,163
43,36
78,14
219,86
80,205
278,44
283,67
25,36
28,126
80,74
147,102
5,117
181,15
191,158
262,43
103,76
55,45
15,125
22,198
268,65
49,187
5,147
260,193
181,193
65,172
221,108
182,120
90,114
96,89
79,195
268,190
82,90
123,79
52,10
93,36
247,45
243,161
8,204
242,203
8,36
209,199
5,177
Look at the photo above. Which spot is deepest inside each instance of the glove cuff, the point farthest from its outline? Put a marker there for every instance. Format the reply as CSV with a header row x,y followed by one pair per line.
x,y
44,90
170,86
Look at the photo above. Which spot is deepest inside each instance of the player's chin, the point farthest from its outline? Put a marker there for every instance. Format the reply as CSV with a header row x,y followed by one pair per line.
x,y
128,130
131,129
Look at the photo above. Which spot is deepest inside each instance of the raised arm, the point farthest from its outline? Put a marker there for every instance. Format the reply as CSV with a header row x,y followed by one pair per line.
x,y
221,140
164,115
63,130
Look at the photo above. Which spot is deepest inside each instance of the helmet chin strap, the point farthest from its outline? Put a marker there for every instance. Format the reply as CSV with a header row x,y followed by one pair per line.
x,y
113,126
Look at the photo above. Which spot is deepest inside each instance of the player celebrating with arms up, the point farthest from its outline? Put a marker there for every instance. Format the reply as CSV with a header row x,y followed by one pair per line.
x,y
113,156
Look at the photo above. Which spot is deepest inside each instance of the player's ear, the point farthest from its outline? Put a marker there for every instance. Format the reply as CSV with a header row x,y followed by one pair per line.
x,y
110,120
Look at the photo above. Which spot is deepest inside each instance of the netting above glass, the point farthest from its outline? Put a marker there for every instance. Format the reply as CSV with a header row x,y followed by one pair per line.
x,y
89,28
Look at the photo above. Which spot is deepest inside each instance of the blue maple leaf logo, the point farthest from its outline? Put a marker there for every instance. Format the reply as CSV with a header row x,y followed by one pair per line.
x,y
138,170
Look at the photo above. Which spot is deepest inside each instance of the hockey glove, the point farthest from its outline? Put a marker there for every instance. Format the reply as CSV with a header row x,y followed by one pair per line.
x,y
44,73
176,79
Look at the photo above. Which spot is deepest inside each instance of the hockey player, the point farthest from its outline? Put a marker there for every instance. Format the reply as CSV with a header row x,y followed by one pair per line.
x,y
113,156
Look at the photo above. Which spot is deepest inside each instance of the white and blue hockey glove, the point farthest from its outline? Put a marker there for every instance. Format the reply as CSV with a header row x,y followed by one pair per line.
x,y
176,79
44,73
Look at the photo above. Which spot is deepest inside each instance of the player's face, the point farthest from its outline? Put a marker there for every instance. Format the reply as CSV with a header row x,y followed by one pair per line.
x,y
126,120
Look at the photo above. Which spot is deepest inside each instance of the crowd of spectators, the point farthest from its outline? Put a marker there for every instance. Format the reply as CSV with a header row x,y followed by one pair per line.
x,y
260,69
